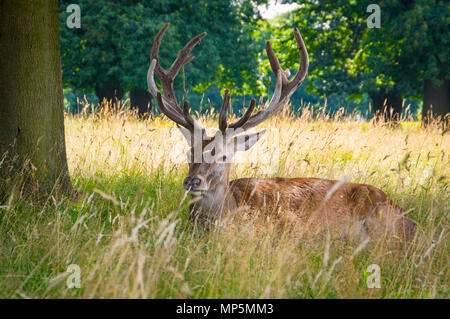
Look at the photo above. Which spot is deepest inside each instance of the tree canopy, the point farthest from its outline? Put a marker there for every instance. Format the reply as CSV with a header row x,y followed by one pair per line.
x,y
408,53
112,46
346,55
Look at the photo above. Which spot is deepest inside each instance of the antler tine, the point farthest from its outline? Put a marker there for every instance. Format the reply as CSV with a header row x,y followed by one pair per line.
x,y
289,87
183,56
246,116
151,78
223,125
302,71
169,113
271,109
165,105
162,74
224,111
284,88
155,49
168,102
274,63
188,117
167,76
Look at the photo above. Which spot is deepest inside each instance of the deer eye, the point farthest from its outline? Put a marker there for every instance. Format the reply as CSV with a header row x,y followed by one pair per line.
x,y
224,158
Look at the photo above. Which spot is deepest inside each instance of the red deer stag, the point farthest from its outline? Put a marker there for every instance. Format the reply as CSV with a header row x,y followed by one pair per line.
x,y
312,202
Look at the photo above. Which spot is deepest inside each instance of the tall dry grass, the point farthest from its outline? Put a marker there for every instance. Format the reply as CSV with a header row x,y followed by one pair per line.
x,y
130,234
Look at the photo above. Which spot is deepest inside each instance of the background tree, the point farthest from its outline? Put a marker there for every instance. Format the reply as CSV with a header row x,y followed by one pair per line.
x,y
422,30
335,33
90,54
110,53
31,110
388,63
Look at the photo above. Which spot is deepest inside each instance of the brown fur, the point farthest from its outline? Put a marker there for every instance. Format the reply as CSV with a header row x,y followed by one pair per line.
x,y
355,209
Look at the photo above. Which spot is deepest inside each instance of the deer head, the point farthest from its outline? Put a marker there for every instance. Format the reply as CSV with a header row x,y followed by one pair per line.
x,y
210,157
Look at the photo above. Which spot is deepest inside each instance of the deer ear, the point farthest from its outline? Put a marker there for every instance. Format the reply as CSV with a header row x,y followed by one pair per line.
x,y
244,142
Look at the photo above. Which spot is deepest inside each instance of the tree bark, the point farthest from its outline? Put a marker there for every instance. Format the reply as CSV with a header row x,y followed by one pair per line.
x,y
436,100
387,106
141,100
32,141
110,93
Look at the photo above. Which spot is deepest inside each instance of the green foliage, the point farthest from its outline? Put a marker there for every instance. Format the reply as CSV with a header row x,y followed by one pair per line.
x,y
411,45
349,62
113,44
423,31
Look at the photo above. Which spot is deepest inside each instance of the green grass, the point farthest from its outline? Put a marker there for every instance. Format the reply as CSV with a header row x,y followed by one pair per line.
x,y
130,234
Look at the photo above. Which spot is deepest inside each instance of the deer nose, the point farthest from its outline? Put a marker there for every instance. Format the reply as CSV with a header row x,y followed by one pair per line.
x,y
196,182
192,182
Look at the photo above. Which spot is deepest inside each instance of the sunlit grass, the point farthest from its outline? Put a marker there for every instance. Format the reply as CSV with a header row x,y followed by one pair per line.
x,y
130,234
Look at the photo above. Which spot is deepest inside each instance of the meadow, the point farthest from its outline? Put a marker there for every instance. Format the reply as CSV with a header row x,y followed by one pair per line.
x,y
130,234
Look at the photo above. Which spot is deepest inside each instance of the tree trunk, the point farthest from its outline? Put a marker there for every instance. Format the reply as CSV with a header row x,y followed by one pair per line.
x,y
387,106
110,93
32,141
141,100
436,100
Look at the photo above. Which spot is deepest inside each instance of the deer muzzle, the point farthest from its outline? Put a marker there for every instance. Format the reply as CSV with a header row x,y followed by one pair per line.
x,y
195,185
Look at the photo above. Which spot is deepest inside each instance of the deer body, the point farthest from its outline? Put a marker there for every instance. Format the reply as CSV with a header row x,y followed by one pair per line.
x,y
351,209
313,203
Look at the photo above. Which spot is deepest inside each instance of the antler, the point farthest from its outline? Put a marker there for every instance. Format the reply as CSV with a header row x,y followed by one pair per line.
x,y
283,90
167,101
